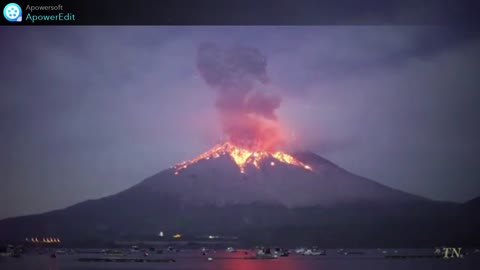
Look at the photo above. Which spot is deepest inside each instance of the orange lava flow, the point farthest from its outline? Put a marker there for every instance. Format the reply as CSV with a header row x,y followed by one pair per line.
x,y
242,157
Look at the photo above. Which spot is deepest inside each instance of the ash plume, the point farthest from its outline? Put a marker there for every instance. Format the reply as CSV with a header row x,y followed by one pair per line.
x,y
247,114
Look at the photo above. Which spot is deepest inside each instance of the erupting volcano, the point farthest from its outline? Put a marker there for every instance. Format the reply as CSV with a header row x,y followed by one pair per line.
x,y
246,111
243,157
249,188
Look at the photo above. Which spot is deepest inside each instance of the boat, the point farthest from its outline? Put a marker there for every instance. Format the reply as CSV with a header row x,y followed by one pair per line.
x,y
280,252
134,249
300,250
314,252
266,253
230,249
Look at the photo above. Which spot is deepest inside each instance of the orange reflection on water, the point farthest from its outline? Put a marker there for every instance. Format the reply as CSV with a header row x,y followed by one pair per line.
x,y
240,263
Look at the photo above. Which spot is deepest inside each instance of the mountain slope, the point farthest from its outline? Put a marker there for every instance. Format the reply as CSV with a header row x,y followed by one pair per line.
x,y
218,181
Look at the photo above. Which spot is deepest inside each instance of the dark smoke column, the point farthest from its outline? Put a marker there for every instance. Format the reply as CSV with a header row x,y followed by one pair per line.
x,y
247,114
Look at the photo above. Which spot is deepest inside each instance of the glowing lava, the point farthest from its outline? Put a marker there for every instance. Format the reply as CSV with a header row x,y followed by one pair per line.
x,y
242,157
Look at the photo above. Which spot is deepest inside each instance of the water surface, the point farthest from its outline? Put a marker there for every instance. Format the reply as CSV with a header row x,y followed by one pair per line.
x,y
195,260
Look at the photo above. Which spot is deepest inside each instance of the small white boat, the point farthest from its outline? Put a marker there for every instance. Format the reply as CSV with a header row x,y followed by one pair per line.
x,y
314,252
266,253
134,249
300,250
230,249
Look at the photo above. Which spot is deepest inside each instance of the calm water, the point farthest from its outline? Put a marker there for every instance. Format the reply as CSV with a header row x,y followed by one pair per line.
x,y
371,260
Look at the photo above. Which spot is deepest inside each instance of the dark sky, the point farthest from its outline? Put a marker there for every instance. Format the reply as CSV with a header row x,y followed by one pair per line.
x,y
89,111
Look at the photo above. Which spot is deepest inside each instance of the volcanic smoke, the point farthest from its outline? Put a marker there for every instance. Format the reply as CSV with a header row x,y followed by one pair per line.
x,y
247,114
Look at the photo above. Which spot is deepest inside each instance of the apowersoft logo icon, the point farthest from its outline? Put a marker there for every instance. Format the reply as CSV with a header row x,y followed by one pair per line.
x,y
12,12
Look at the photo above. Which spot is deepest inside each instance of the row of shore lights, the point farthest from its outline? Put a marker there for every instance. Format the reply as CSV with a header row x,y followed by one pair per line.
x,y
48,240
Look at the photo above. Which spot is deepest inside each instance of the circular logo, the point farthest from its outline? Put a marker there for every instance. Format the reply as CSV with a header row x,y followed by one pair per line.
x,y
12,12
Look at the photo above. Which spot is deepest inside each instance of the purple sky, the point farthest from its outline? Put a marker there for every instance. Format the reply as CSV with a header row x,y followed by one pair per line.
x,y
89,111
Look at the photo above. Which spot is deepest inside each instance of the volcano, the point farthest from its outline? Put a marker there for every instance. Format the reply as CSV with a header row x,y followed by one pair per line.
x,y
258,197
227,174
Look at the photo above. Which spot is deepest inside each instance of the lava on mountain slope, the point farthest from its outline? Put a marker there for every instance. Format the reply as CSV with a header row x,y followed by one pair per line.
x,y
242,157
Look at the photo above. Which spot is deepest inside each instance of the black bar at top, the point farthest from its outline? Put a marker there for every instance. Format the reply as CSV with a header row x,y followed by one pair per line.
x,y
258,12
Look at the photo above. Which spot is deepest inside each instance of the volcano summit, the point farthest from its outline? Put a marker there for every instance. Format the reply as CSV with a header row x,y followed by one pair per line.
x,y
243,157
